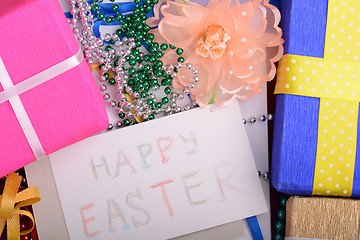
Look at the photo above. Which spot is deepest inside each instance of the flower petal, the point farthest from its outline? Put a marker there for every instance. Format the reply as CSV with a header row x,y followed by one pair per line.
x,y
222,98
154,21
194,10
230,82
178,27
203,99
243,45
208,70
243,61
179,36
268,69
223,17
170,57
254,19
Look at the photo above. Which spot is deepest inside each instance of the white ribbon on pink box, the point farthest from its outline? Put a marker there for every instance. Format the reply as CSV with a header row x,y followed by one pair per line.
x,y
11,93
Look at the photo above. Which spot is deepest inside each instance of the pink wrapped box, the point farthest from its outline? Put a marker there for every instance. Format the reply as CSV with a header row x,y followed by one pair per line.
x,y
34,37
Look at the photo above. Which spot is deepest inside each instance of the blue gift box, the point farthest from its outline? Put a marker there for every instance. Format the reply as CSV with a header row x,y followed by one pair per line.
x,y
296,117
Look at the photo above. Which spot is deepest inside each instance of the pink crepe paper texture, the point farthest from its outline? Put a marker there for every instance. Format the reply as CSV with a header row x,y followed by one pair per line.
x,y
34,36
244,65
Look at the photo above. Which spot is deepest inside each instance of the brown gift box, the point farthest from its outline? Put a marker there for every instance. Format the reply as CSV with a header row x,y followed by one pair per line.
x,y
322,218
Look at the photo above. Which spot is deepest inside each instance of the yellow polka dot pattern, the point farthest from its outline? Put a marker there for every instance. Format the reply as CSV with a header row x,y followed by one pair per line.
x,y
338,119
318,77
342,41
335,79
336,149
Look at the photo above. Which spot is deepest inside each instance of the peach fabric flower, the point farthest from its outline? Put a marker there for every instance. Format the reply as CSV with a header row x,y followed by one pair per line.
x,y
233,45
218,50
212,35
215,43
202,49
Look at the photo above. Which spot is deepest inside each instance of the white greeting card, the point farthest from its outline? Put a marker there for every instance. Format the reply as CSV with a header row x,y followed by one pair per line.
x,y
49,213
159,179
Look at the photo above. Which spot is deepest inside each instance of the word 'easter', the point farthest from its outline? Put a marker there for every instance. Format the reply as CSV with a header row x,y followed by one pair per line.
x,y
132,210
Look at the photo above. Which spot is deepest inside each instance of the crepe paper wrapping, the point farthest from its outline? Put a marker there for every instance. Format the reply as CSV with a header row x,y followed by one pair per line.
x,y
323,218
339,104
233,45
63,110
296,238
297,117
10,203
11,93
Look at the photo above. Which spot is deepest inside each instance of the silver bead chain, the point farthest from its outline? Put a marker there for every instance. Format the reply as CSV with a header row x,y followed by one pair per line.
x,y
94,51
264,175
260,119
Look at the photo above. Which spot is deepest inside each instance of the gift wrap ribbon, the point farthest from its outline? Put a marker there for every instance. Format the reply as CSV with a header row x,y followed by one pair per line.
x,y
335,79
10,203
126,7
11,93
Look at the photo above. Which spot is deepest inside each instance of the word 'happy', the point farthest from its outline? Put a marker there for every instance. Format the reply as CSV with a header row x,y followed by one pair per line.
x,y
135,213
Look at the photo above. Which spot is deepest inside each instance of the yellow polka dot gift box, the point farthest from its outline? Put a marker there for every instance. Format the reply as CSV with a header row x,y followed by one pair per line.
x,y
316,138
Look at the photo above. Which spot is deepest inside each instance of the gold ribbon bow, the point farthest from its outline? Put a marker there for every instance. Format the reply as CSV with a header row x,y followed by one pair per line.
x,y
10,203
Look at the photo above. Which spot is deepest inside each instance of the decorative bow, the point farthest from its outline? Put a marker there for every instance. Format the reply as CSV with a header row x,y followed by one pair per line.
x,y
10,203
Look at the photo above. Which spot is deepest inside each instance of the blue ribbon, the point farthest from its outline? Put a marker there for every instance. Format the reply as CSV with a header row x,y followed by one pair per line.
x,y
255,228
68,15
125,8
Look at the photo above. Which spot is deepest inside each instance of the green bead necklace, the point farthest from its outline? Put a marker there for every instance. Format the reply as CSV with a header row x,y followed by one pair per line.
x,y
279,224
138,74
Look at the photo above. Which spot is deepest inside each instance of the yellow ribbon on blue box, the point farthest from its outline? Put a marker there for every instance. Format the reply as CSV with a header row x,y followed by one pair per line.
x,y
10,203
335,79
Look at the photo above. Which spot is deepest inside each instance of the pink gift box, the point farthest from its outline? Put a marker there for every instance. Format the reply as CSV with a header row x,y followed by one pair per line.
x,y
34,36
